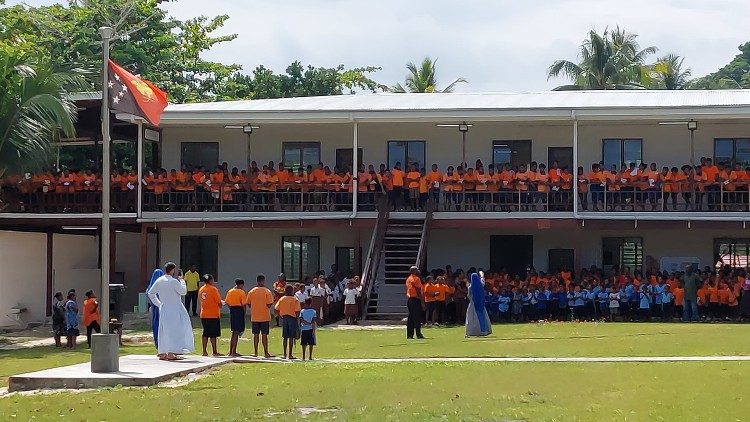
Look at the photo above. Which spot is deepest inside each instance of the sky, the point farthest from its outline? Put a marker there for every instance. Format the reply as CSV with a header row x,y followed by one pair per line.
x,y
496,45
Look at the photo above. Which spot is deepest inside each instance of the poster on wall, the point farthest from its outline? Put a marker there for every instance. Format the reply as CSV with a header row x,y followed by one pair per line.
x,y
678,263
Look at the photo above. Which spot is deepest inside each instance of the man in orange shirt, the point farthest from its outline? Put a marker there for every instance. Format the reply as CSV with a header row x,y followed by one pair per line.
x,y
235,299
211,304
712,183
288,307
430,293
91,316
397,194
434,179
414,303
259,300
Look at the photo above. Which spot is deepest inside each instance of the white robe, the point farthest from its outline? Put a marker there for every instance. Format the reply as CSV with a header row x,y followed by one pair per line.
x,y
175,328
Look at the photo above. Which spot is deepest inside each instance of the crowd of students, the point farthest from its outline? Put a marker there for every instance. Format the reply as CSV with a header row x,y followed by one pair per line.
x,y
619,295
719,187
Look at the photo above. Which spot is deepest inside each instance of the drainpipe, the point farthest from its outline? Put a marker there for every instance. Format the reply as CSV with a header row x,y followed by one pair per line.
x,y
574,170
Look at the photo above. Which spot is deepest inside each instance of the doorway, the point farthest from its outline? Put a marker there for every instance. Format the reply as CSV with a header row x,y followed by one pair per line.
x,y
201,251
513,253
563,156
559,259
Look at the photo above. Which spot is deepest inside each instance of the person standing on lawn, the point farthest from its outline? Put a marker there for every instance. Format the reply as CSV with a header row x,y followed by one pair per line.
x,y
153,308
288,309
308,328
91,316
235,299
71,320
58,319
211,304
690,295
414,304
260,300
175,328
192,279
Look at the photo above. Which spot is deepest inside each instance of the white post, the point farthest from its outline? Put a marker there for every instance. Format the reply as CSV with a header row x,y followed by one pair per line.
x,y
355,170
574,170
139,169
104,347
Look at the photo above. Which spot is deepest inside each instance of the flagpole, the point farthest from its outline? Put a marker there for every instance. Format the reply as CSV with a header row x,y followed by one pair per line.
x,y
104,347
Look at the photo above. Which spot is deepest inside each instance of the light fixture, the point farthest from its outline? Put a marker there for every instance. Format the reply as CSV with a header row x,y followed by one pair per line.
x,y
248,128
74,228
463,127
692,126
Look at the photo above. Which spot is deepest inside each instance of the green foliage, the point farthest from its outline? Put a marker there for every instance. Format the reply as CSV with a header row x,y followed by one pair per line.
x,y
611,60
423,79
735,75
668,73
33,107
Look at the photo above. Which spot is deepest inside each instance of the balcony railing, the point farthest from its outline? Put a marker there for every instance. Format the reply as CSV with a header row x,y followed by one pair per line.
x,y
592,197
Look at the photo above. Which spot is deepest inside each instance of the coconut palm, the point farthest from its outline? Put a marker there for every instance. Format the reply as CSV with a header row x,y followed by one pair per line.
x,y
611,60
668,73
35,104
422,79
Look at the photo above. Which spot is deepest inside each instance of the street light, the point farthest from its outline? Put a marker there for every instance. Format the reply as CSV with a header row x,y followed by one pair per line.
x,y
692,126
463,127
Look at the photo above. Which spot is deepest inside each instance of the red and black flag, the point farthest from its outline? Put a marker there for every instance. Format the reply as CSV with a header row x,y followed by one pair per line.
x,y
131,94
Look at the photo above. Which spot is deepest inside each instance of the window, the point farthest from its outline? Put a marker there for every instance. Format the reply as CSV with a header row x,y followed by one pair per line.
x,y
345,259
200,154
623,252
300,256
562,155
734,253
201,251
619,151
300,154
732,151
406,153
514,153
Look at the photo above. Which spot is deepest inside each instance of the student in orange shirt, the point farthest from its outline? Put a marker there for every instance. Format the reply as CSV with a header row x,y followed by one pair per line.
x,y
482,187
597,181
397,194
448,178
712,183
288,308
713,300
651,186
424,190
434,179
470,186
542,186
91,318
259,299
583,187
211,304
412,183
235,299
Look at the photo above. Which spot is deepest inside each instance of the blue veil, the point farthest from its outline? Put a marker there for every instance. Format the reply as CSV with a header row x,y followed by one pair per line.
x,y
477,298
154,310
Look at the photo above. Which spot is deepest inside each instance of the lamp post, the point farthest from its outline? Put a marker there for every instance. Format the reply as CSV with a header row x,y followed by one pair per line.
x,y
692,126
105,346
463,127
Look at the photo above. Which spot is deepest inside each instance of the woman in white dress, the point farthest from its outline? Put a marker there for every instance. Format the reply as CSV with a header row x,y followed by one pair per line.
x,y
175,329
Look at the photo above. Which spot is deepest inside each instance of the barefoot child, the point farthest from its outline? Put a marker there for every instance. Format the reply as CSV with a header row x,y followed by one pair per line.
x,y
308,327
211,304
235,299
288,309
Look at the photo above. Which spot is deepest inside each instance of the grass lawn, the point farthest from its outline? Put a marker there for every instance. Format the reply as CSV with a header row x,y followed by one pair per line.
x,y
424,391
418,391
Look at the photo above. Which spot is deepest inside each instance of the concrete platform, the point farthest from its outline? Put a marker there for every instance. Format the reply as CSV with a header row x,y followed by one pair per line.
x,y
135,371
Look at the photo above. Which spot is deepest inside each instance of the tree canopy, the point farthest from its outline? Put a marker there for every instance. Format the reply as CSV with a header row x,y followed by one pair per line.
x,y
422,79
734,75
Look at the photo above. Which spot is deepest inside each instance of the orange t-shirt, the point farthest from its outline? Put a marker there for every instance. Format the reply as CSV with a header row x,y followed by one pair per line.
x,y
413,177
711,172
430,292
210,301
235,297
413,285
259,299
723,295
90,311
679,296
713,294
288,306
398,178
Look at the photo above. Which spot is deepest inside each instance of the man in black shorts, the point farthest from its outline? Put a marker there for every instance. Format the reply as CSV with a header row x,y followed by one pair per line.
x,y
235,299
260,300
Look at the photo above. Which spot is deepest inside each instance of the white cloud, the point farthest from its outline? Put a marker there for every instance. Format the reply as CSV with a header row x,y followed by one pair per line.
x,y
497,45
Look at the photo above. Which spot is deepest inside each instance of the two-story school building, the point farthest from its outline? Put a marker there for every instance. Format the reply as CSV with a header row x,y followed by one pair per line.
x,y
248,231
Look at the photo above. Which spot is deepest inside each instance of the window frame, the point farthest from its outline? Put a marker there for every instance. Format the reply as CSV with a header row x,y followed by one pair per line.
x,y
405,165
621,160
301,145
301,270
734,140
512,144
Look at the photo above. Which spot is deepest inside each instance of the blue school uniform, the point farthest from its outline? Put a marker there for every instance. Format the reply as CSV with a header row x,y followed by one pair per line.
x,y
503,304
658,290
645,302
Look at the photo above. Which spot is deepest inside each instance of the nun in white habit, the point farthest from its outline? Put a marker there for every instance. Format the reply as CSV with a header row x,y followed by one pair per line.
x,y
175,329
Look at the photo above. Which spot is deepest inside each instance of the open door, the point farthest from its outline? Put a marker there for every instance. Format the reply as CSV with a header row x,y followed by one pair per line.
x,y
512,253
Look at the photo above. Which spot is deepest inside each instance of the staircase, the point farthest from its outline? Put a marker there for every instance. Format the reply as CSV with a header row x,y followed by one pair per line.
x,y
402,243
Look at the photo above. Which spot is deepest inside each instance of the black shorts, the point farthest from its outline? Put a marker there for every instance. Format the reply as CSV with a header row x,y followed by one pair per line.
x,y
307,338
289,327
237,319
72,332
260,327
211,327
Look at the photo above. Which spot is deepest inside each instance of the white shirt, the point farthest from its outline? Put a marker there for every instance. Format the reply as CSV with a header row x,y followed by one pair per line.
x,y
614,300
319,291
350,296
301,296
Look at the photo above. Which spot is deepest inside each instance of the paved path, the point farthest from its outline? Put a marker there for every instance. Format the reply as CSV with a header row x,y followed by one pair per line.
x,y
603,359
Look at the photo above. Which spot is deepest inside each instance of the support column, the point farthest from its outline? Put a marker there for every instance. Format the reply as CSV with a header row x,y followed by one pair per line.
x,y
139,168
574,170
355,170
50,274
144,258
112,254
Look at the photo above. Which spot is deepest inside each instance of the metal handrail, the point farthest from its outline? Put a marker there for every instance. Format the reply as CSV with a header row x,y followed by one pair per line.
x,y
422,253
372,261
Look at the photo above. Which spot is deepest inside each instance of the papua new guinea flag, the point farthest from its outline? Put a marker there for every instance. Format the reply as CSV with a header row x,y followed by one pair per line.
x,y
131,94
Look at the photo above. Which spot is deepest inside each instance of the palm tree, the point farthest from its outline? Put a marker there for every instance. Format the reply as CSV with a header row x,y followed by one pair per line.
x,y
35,104
422,79
669,74
611,60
